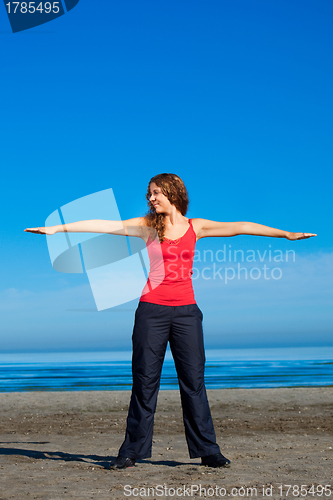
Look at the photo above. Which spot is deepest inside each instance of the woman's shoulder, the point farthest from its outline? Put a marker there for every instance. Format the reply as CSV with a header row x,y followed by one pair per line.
x,y
136,226
197,224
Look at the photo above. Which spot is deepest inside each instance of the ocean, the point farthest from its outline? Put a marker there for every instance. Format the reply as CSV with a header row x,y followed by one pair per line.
x,y
227,368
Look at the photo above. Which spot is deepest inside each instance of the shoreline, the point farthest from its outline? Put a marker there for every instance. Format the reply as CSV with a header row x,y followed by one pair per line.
x,y
32,391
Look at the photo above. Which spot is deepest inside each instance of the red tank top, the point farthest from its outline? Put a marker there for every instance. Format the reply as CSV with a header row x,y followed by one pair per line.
x,y
170,277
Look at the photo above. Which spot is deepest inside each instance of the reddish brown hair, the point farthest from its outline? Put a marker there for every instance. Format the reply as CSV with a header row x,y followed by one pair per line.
x,y
174,189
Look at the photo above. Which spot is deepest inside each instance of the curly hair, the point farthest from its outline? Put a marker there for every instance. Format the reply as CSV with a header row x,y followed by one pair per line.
x,y
174,189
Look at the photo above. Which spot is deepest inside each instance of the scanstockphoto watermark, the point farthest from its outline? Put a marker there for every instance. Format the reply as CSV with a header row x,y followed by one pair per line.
x,y
164,490
264,491
228,254
239,264
227,274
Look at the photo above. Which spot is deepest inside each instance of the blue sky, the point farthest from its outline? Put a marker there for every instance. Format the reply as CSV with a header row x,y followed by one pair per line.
x,y
234,97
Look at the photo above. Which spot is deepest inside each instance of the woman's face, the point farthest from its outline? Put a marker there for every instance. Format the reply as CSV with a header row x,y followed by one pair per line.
x,y
158,199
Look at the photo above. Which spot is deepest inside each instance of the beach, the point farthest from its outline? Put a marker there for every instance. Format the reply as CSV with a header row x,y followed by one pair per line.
x,y
59,445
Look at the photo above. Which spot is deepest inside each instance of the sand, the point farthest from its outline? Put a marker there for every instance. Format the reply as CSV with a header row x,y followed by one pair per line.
x,y
58,445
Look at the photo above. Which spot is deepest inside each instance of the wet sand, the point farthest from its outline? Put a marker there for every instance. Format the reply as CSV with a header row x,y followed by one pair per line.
x,y
56,445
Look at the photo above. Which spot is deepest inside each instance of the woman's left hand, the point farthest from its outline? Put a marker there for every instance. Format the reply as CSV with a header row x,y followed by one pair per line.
x,y
299,236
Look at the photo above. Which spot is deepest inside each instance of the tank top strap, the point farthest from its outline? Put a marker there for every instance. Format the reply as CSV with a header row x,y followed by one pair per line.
x,y
191,228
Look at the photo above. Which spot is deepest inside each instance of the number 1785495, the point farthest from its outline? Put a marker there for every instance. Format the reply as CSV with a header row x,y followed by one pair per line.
x,y
32,7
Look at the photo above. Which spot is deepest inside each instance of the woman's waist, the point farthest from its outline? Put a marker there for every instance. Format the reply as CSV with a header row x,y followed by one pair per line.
x,y
177,292
169,280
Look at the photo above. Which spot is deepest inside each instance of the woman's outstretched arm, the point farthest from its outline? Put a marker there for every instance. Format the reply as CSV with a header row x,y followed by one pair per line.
x,y
205,228
129,227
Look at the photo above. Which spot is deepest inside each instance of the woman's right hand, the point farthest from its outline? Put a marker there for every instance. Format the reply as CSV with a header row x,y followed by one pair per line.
x,y
41,230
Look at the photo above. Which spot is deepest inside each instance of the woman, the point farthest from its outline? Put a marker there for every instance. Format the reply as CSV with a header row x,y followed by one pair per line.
x,y
168,312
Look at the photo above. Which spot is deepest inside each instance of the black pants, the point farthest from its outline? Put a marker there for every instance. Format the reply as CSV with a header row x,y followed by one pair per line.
x,y
154,326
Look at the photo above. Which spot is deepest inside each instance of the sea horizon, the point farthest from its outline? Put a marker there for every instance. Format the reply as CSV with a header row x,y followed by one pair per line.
x,y
239,353
111,370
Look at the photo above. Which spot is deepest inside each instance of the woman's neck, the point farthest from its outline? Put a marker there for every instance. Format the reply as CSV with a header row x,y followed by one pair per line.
x,y
174,217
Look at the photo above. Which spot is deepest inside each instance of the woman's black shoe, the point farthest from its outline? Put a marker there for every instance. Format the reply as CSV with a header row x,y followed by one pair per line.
x,y
122,463
217,460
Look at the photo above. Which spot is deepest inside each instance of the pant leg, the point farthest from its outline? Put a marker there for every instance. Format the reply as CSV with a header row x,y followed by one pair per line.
x,y
150,337
186,342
